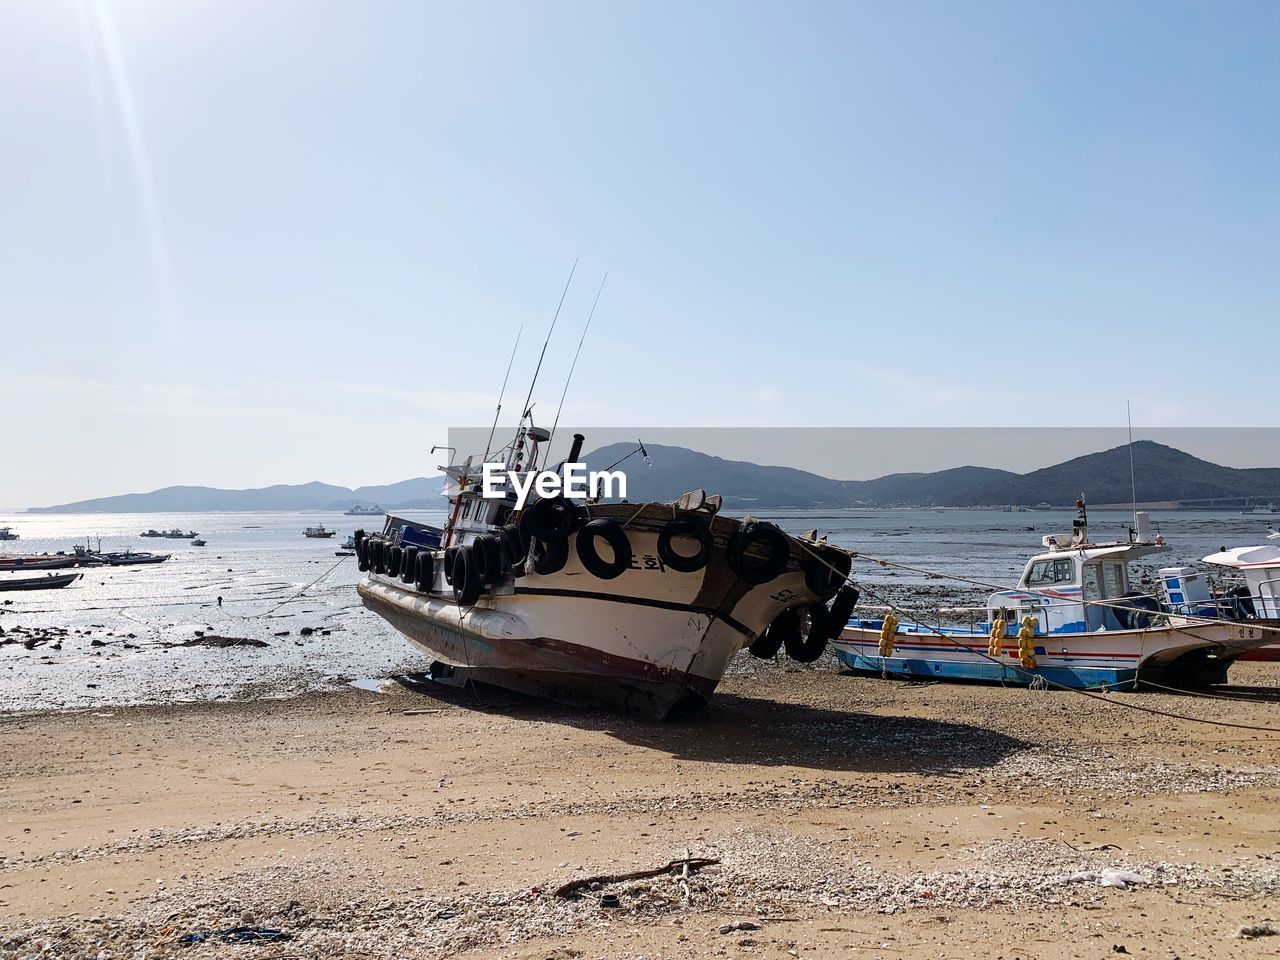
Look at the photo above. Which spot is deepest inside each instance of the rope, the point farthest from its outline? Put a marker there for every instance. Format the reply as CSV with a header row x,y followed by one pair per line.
x,y
1053,683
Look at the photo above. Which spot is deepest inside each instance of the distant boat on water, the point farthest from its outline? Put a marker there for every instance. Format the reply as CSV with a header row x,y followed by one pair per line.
x,y
359,511
6,533
318,533
174,534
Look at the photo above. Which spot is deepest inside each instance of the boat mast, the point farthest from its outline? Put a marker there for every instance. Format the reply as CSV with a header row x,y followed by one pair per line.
x,y
572,367
1133,477
520,433
501,393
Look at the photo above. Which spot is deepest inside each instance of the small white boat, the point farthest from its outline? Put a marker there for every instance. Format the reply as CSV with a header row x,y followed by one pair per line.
x,y
318,533
6,533
1074,619
1256,600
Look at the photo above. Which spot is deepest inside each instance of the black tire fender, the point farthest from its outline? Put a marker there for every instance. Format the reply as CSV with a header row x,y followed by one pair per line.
x,y
408,564
841,610
771,550
549,520
549,558
611,532
425,571
815,641
513,547
466,577
692,528
484,551
784,625
450,554
362,555
394,556
819,576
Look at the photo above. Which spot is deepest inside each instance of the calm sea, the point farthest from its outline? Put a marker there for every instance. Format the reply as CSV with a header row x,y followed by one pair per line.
x,y
255,561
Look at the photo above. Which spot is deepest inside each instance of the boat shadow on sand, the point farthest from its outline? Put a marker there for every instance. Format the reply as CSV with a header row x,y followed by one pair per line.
x,y
741,729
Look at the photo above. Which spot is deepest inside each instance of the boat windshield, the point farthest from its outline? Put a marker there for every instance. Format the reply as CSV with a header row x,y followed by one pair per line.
x,y
1058,570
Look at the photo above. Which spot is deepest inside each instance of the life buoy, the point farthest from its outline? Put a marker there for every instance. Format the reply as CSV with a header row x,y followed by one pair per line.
x,y
409,564
466,579
425,572
549,520
758,552
819,576
611,532
690,528
549,558
450,554
513,547
841,610
810,648
394,556
484,552
784,625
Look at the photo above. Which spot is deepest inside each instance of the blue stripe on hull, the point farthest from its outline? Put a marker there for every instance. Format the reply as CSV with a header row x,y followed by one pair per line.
x,y
981,669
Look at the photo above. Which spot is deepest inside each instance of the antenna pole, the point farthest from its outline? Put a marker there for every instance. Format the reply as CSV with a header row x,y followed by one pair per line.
x,y
501,393
543,355
1133,477
572,367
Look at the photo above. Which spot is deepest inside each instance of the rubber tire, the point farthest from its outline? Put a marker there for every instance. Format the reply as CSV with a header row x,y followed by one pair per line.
x,y
764,535
513,548
394,556
466,577
841,610
450,554
810,648
550,558
1134,610
784,625
378,557
425,571
611,532
488,561
685,527
362,555
408,565
549,520
821,580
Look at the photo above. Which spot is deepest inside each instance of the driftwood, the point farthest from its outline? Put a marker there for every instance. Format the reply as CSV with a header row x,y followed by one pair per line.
x,y
689,863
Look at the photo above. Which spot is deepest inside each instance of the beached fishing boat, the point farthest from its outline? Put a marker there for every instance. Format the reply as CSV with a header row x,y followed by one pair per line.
x,y
35,561
50,581
117,558
1253,594
1074,619
637,607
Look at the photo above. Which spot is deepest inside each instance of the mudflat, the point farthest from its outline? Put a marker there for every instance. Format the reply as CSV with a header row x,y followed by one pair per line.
x,y
845,816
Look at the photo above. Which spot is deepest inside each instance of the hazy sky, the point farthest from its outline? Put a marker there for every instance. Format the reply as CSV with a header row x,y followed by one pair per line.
x,y
247,242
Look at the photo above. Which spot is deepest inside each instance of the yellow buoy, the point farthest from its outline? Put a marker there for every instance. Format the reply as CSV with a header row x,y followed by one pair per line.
x,y
999,628
887,633
1027,643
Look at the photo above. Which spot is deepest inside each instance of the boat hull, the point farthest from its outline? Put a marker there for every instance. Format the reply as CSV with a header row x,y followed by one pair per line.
x,y
1192,656
50,582
652,643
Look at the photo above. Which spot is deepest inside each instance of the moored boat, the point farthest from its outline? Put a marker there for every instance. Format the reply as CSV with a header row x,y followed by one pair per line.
x,y
1255,597
36,561
50,581
318,533
174,534
6,533
1073,620
359,511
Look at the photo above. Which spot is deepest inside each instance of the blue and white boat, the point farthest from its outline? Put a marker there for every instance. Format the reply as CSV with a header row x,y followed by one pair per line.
x,y
1074,619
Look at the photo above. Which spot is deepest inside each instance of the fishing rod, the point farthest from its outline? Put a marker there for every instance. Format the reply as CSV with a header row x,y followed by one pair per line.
x,y
543,355
572,367
501,393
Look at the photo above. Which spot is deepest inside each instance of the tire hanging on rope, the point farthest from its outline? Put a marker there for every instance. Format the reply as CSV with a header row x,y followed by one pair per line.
x,y
425,571
785,624
362,555
549,520
466,577
841,610
512,547
611,532
758,552
394,556
549,558
450,554
484,552
408,564
690,528
819,576
815,641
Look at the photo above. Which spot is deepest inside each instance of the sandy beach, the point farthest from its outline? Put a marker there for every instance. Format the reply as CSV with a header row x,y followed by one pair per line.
x,y
847,816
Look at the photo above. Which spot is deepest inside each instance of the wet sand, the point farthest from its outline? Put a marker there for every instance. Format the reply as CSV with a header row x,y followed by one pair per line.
x,y
851,816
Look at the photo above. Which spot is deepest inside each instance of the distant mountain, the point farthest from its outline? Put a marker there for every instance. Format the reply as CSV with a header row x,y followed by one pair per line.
x,y
744,486
1164,475
407,494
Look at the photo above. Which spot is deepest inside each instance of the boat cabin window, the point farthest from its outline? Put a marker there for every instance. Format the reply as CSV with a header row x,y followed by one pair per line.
x,y
1043,572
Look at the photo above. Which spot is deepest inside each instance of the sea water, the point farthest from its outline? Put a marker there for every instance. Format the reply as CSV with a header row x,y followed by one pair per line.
x,y
274,583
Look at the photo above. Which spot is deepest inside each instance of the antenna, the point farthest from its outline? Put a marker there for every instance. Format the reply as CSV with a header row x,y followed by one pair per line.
x,y
501,393
1133,478
543,355
572,367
